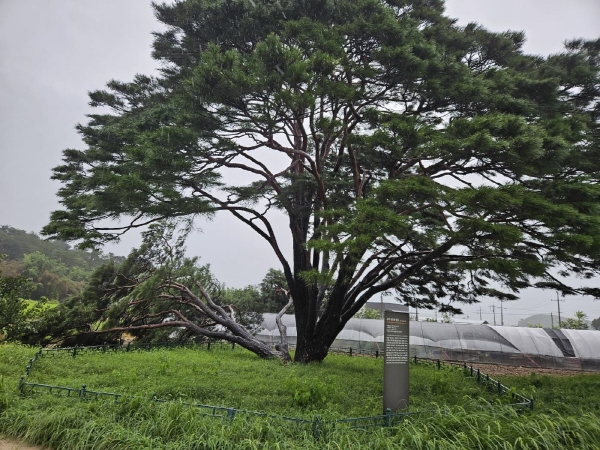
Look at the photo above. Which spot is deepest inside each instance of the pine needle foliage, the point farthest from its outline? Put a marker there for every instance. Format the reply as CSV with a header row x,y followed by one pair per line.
x,y
409,154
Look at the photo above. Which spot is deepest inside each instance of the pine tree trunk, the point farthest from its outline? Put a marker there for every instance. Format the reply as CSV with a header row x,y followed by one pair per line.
x,y
312,345
311,350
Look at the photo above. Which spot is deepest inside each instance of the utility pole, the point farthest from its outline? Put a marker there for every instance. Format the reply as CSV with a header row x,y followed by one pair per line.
x,y
502,312
552,320
558,300
494,311
480,313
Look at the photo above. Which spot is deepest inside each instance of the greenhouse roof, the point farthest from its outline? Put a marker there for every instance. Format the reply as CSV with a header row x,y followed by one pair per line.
x,y
471,337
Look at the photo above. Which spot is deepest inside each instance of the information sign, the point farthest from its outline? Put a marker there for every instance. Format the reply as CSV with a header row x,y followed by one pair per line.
x,y
395,367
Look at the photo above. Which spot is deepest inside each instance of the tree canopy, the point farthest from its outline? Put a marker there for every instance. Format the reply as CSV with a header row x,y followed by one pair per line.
x,y
410,154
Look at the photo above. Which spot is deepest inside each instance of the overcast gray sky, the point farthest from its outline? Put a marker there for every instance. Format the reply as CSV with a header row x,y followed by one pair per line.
x,y
52,52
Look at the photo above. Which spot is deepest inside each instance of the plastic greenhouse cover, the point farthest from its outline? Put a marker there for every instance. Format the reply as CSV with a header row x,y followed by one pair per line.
x,y
586,343
543,343
372,327
520,338
427,337
532,341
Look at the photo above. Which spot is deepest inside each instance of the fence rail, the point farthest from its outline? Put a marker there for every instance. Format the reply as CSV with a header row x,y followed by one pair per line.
x,y
385,420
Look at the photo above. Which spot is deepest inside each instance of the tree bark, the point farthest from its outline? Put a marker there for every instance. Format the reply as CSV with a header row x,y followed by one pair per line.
x,y
283,346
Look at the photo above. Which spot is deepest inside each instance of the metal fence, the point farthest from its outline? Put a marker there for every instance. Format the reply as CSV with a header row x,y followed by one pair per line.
x,y
315,425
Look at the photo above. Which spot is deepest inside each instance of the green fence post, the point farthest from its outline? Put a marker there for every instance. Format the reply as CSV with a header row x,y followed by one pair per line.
x,y
316,427
27,369
376,353
104,347
350,351
82,392
21,384
439,364
531,404
499,387
415,359
388,417
208,346
231,414
232,345
478,375
128,346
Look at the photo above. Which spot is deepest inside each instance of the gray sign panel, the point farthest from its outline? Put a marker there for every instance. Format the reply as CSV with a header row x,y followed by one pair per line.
x,y
395,363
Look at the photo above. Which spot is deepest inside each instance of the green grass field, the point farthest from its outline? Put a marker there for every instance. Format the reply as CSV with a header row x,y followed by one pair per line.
x,y
342,386
574,394
49,304
566,414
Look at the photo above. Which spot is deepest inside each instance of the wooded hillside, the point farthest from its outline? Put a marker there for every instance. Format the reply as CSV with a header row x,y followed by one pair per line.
x,y
55,268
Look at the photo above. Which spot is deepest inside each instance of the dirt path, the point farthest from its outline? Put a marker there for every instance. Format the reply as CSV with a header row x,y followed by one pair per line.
x,y
499,370
10,444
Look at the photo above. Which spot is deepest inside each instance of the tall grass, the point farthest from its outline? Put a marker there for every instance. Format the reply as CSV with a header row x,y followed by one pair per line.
x,y
235,378
61,423
341,386
573,394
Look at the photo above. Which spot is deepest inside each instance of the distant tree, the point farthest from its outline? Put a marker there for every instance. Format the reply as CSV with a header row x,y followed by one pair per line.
x,y
15,316
17,243
446,318
577,323
367,313
272,293
246,301
248,296
76,320
268,297
36,263
51,278
55,270
596,323
408,154
11,267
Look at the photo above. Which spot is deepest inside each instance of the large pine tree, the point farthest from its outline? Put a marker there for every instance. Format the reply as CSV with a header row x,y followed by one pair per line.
x,y
409,154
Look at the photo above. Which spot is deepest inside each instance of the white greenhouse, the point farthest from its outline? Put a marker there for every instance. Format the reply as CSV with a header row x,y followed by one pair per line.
x,y
527,347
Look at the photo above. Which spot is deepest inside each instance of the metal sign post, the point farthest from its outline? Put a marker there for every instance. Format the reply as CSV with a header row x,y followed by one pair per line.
x,y
395,363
